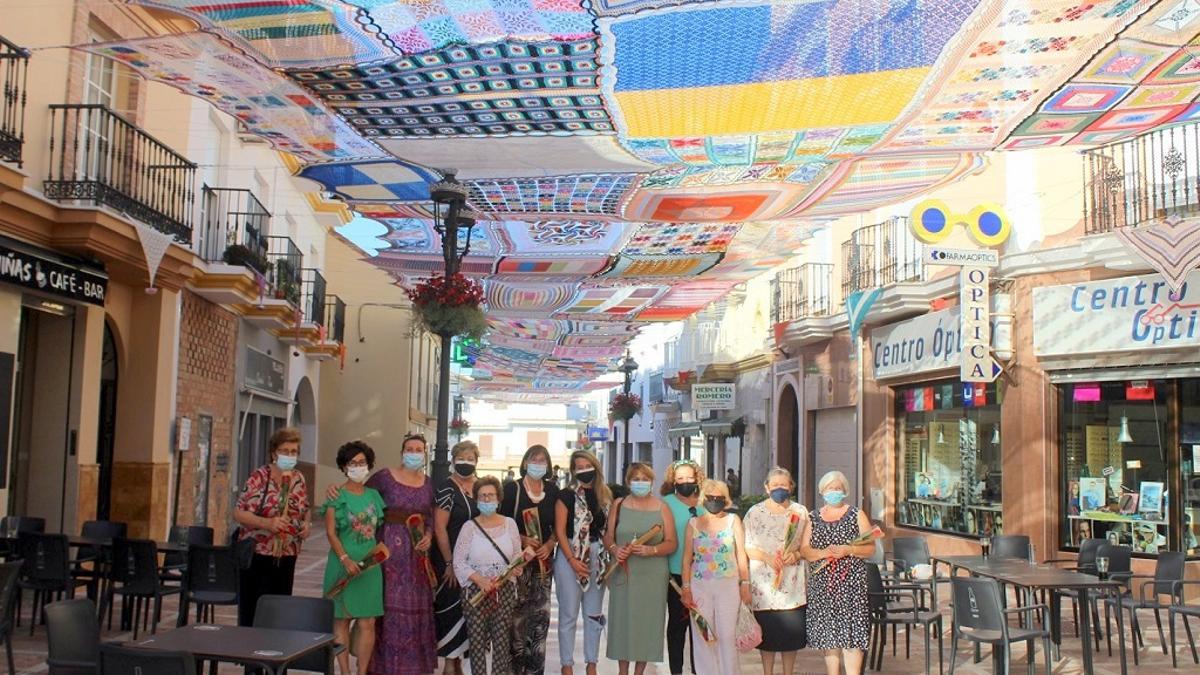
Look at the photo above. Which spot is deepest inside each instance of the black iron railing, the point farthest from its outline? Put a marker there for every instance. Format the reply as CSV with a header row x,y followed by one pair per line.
x,y
284,263
1142,179
801,292
234,228
335,318
14,74
880,255
97,156
312,294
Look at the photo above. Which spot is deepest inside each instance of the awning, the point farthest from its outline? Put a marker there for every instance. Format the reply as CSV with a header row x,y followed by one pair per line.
x,y
722,426
683,430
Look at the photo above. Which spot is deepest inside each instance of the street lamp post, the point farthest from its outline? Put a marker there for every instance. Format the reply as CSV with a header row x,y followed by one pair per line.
x,y
628,367
451,195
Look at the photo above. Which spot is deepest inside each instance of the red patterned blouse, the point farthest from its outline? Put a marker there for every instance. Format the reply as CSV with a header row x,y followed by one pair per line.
x,y
261,497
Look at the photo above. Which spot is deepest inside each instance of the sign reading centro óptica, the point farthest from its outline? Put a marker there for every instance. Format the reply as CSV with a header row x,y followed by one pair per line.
x,y
24,267
714,396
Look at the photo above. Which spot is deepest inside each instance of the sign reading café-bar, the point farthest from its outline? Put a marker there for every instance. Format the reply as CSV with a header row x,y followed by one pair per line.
x,y
718,396
1128,314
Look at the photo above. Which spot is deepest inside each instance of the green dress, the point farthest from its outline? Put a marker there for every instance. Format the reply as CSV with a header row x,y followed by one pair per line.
x,y
356,518
637,600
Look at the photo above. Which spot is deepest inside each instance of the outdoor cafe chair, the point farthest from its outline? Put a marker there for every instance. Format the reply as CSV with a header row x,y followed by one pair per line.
x,y
1168,570
45,570
10,572
288,612
979,616
72,638
135,568
212,578
1179,607
894,603
118,659
1085,562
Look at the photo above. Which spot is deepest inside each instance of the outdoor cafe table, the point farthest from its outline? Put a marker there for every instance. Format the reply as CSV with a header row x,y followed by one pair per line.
x,y
1023,574
80,541
268,648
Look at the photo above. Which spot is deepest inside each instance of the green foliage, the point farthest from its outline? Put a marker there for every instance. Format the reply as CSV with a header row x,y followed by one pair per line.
x,y
439,319
746,501
244,256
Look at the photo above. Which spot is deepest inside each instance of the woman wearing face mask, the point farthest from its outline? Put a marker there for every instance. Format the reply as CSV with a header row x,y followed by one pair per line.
x,y
455,507
637,599
278,529
486,546
580,518
837,593
716,578
779,608
405,642
536,492
681,494
350,523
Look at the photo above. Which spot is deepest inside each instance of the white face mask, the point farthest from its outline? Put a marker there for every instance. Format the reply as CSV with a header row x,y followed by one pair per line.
x,y
358,474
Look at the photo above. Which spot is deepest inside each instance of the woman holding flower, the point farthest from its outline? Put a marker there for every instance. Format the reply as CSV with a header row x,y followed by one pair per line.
x,y
637,599
530,501
350,523
837,588
774,531
716,578
681,494
455,507
580,519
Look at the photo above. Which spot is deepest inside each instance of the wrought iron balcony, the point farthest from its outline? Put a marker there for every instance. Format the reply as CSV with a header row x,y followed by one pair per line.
x,y
14,73
97,156
335,318
284,263
1142,179
233,228
801,292
312,295
880,255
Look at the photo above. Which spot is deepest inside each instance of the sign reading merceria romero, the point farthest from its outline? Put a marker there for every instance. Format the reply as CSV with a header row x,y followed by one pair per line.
x,y
714,396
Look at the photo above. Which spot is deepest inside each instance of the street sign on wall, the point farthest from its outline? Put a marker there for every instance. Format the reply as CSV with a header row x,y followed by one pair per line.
x,y
714,396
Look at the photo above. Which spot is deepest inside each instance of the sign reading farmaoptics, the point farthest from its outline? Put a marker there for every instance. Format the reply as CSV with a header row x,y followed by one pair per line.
x,y
720,396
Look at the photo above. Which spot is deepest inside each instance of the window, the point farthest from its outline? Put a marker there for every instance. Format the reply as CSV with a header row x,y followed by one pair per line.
x,y
1126,445
948,457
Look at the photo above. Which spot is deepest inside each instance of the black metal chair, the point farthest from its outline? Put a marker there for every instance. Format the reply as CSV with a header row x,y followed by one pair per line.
x,y
120,660
73,638
10,572
175,562
1012,546
1120,568
91,562
45,570
289,612
135,568
979,616
1085,562
1179,607
907,553
894,603
1168,570
212,578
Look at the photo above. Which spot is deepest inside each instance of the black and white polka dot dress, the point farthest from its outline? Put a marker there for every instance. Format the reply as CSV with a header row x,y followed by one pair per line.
x,y
837,594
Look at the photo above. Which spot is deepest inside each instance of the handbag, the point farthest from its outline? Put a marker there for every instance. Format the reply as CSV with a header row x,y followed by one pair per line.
x,y
749,633
243,547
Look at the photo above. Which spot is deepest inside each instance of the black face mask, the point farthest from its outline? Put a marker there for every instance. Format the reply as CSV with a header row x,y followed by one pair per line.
x,y
715,505
586,476
686,489
463,469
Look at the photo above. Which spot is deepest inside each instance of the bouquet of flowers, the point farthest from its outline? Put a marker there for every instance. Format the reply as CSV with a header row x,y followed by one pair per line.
x,y
460,426
841,571
624,406
450,305
506,576
416,532
789,542
377,555
533,529
281,537
642,539
702,624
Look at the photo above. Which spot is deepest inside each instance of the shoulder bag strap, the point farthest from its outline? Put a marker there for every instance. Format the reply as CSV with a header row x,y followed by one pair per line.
x,y
491,541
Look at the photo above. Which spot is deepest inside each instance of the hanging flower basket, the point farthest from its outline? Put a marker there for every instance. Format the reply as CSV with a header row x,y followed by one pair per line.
x,y
459,426
624,406
450,306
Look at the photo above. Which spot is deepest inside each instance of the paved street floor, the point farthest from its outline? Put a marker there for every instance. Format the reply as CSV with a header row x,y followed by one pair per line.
x,y
31,651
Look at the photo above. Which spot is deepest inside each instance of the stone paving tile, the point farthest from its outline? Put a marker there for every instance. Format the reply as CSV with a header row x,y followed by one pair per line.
x,y
30,652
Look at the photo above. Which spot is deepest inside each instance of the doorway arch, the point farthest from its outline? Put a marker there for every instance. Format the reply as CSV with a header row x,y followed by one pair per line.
x,y
304,418
106,418
787,431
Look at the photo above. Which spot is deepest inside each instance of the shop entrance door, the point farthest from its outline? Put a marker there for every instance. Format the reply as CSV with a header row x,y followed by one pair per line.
x,y
107,418
835,447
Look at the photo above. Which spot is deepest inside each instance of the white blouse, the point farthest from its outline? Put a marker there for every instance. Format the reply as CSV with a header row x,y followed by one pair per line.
x,y
473,553
766,531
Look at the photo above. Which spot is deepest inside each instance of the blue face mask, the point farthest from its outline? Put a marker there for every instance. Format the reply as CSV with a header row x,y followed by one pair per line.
x,y
640,488
780,495
414,460
834,497
488,508
286,462
535,471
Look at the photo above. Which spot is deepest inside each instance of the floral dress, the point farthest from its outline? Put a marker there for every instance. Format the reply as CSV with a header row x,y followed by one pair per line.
x,y
356,518
837,593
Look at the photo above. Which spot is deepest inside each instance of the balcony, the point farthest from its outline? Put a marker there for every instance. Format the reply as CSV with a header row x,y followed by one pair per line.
x,y
312,295
801,292
96,156
881,255
14,73
284,262
278,306
335,318
233,228
1142,179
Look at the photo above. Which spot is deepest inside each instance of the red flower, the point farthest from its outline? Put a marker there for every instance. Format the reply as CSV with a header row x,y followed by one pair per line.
x,y
453,291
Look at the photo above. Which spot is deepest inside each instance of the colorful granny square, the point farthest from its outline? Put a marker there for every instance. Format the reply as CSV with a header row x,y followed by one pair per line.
x,y
417,27
1141,119
568,267
1172,94
1041,125
1100,137
628,266
372,181
600,194
1124,62
677,239
1182,67
616,302
1086,98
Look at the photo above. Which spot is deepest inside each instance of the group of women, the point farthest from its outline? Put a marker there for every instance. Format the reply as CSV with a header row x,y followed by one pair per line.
x,y
472,564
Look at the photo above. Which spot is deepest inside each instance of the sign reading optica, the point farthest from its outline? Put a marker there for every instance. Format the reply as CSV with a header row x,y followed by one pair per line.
x,y
714,396
927,343
1116,315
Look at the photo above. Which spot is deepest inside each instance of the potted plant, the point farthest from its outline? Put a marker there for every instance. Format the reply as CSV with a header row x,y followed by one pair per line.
x,y
624,406
448,306
239,254
286,286
459,427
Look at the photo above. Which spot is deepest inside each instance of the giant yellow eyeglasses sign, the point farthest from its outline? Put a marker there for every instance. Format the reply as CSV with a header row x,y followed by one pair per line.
x,y
932,221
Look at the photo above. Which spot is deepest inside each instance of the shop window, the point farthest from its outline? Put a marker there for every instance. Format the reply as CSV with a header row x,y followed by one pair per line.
x,y
948,458
1118,451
